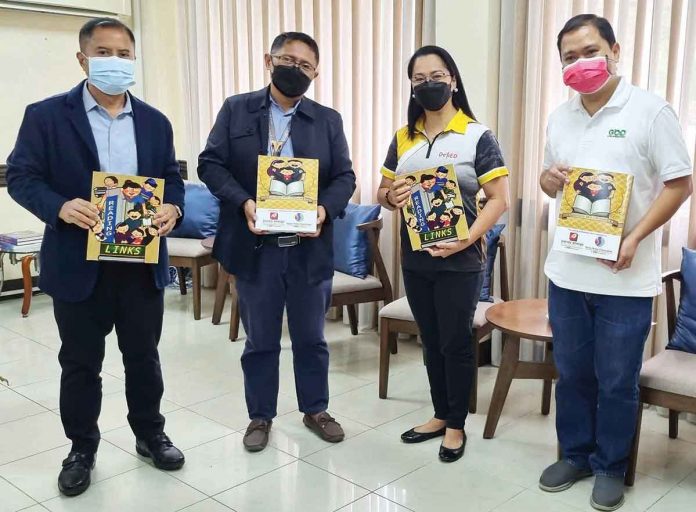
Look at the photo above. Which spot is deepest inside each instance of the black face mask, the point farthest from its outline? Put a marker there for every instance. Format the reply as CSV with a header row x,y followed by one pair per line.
x,y
432,95
290,80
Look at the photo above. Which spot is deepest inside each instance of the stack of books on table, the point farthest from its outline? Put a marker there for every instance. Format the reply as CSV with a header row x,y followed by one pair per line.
x,y
20,238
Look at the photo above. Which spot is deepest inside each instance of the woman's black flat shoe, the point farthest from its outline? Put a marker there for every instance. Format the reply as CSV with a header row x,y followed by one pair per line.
x,y
412,437
452,455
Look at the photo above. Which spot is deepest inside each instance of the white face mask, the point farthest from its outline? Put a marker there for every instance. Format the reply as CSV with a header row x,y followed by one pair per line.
x,y
111,75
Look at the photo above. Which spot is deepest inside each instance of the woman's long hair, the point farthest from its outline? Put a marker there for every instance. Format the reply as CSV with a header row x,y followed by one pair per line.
x,y
459,99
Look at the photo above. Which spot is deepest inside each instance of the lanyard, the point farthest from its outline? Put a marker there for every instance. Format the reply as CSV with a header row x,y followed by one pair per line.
x,y
277,144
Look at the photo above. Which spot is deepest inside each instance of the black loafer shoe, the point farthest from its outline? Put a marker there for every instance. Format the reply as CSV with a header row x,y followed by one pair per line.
x,y
162,451
412,436
76,474
452,455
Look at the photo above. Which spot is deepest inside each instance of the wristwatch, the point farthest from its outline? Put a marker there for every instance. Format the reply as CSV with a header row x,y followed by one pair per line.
x,y
178,212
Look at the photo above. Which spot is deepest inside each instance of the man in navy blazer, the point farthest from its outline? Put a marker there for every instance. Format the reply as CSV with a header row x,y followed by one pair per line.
x,y
98,125
280,271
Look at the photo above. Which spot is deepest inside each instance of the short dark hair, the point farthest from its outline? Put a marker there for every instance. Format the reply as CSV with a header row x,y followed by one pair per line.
x,y
583,20
287,37
426,177
131,184
88,29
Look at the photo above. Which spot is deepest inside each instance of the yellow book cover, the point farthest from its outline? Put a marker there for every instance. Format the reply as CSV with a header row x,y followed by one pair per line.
x,y
125,231
286,194
434,212
592,213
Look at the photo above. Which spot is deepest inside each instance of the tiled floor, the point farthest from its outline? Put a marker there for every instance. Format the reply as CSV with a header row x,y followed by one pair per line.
x,y
372,471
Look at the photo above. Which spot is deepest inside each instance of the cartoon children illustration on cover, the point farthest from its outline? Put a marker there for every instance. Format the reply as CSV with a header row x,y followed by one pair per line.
x,y
287,180
594,194
434,203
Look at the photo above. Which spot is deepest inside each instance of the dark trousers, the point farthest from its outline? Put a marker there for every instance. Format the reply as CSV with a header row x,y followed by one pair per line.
x,y
282,283
598,350
125,296
443,305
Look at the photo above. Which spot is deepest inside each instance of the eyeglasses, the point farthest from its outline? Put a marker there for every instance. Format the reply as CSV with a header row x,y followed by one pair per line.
x,y
287,60
437,76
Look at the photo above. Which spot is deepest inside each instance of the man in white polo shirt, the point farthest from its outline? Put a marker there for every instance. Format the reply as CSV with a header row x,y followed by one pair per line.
x,y
600,311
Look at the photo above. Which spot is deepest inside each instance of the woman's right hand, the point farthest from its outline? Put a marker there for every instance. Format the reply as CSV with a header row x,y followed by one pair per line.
x,y
399,192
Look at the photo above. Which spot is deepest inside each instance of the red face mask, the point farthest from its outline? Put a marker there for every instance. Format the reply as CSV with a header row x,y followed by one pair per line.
x,y
587,76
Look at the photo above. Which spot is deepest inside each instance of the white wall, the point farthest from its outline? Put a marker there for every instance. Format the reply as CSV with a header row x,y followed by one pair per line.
x,y
470,31
37,52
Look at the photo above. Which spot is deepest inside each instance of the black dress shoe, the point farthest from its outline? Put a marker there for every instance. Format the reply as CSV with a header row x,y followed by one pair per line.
x,y
452,455
412,436
162,451
75,476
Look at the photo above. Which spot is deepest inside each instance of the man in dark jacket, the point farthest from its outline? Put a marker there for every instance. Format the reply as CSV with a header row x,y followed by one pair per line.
x,y
99,126
278,271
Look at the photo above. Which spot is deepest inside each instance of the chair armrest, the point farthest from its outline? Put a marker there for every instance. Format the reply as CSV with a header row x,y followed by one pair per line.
x,y
373,224
671,300
372,230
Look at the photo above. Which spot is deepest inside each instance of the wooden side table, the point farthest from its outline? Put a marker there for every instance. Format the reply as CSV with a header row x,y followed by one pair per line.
x,y
526,318
26,254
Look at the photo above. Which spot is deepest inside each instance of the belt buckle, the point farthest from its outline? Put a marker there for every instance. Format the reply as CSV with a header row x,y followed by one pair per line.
x,y
288,241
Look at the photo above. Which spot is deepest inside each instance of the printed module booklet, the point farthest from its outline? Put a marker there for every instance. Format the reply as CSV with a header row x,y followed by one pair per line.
x,y
286,194
592,213
125,231
434,212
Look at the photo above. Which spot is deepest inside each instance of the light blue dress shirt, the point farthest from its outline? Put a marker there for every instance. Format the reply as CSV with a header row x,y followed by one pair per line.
x,y
281,120
115,137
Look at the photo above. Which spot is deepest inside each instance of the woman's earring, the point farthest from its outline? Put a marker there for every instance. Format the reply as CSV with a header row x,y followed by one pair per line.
x,y
413,95
456,89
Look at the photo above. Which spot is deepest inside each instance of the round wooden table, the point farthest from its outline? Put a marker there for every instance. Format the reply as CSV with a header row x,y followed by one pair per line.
x,y
520,319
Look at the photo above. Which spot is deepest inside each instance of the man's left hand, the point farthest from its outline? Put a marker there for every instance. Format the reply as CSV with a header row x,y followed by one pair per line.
x,y
321,217
165,219
629,245
447,249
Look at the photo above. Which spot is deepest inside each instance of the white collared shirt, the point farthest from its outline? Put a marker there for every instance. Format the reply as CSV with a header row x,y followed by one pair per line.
x,y
636,133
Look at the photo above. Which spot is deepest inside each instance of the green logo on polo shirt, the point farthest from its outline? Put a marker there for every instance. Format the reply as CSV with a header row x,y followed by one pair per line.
x,y
617,134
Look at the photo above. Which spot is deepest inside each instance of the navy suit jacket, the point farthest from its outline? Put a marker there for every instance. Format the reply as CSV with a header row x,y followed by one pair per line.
x,y
228,165
52,163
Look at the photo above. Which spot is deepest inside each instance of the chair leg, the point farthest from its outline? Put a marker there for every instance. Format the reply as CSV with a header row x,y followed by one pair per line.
x,y
353,319
393,345
234,315
546,397
220,294
196,278
630,477
673,424
384,355
473,397
506,372
548,383
182,280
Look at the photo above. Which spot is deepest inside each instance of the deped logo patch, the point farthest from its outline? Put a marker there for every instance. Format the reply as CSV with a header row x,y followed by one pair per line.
x,y
617,133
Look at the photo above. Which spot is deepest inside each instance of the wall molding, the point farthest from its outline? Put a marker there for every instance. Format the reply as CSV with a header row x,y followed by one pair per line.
x,y
87,10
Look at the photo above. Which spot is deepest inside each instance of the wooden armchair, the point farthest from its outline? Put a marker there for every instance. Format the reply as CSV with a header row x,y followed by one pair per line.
x,y
666,380
397,317
346,290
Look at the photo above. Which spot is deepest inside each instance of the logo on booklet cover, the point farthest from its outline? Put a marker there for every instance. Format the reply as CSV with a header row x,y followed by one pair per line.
x,y
573,236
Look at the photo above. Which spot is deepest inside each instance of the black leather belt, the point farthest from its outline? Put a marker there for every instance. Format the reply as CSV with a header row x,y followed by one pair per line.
x,y
282,240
